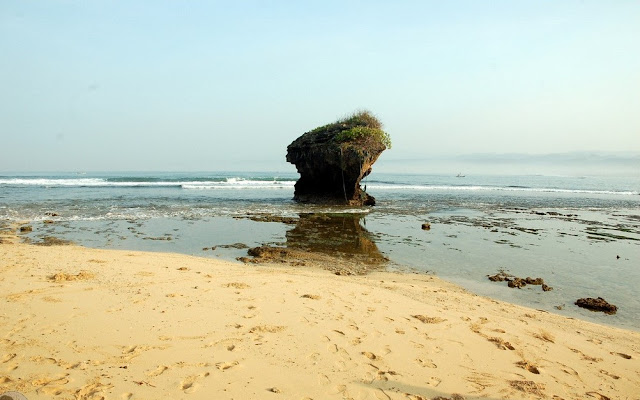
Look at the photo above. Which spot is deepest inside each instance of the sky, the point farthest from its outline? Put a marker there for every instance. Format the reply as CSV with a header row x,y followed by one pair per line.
x,y
227,85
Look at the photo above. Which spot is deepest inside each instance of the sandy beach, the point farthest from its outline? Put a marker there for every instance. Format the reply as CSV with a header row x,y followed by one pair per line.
x,y
81,323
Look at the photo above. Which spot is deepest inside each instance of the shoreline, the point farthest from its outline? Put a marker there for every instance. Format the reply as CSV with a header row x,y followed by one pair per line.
x,y
566,248
89,323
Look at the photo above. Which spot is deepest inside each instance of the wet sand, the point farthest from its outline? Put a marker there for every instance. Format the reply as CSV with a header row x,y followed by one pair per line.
x,y
86,323
580,253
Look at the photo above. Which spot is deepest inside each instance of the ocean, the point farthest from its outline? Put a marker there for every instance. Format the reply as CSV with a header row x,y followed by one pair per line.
x,y
581,234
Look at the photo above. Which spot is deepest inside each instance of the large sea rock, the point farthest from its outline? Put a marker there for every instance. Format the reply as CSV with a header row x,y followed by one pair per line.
x,y
333,159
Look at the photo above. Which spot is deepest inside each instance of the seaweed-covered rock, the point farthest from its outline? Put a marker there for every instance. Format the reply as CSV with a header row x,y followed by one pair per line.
x,y
598,304
517,283
334,158
534,281
500,277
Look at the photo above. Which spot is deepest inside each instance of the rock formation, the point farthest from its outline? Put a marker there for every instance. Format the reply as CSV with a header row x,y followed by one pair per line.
x,y
515,282
598,304
333,159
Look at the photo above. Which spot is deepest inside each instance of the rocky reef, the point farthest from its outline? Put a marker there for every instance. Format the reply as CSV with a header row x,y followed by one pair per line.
x,y
515,282
334,158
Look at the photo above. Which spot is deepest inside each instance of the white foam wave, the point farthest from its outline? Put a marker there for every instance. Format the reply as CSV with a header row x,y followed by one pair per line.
x,y
499,188
238,183
243,183
82,182
99,182
52,182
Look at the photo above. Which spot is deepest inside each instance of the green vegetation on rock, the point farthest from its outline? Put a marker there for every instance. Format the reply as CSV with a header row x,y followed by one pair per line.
x,y
364,132
361,125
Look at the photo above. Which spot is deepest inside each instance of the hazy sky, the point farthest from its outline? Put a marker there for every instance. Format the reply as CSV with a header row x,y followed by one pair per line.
x,y
211,85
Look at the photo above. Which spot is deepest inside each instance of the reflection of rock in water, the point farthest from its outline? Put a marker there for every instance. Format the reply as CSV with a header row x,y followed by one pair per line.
x,y
337,243
339,235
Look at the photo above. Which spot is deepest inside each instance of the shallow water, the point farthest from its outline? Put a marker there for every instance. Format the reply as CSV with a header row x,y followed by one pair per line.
x,y
568,231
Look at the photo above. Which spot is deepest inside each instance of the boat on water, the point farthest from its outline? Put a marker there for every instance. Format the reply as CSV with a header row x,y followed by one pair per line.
x,y
460,175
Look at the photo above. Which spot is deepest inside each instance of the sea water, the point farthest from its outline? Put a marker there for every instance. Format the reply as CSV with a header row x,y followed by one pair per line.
x,y
580,234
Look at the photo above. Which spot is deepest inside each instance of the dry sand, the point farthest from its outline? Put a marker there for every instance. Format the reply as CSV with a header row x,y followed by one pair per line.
x,y
80,323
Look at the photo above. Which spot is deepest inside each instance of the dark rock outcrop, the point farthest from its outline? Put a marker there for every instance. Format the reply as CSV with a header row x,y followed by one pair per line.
x,y
333,159
515,282
598,304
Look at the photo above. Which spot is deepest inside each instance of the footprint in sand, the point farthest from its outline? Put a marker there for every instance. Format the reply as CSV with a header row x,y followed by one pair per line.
x,y
51,390
528,366
598,396
50,299
426,363
500,343
129,350
50,386
428,320
625,356
8,357
369,355
434,381
158,371
569,371
223,366
341,366
339,389
189,385
237,285
609,374
323,380
60,380
369,377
